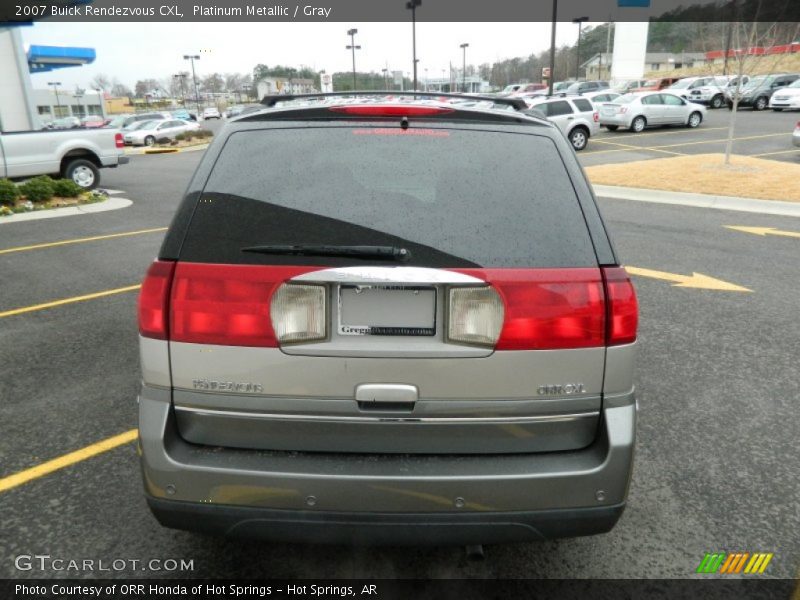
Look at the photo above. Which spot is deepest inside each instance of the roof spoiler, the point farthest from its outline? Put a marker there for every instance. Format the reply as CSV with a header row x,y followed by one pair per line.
x,y
517,103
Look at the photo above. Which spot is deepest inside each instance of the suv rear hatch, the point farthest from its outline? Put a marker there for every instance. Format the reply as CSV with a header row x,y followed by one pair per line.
x,y
370,288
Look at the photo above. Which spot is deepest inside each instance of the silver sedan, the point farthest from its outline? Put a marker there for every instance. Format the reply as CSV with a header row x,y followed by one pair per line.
x,y
796,135
650,109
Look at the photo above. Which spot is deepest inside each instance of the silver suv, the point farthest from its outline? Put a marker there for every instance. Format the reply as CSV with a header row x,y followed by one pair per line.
x,y
385,322
576,117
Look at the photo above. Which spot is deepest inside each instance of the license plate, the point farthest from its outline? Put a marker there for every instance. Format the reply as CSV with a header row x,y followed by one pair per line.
x,y
387,310
608,111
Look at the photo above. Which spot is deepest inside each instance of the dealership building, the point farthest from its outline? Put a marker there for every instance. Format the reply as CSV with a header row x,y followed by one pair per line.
x,y
23,108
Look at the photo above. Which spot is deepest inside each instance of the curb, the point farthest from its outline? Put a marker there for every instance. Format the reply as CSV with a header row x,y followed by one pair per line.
x,y
753,205
142,151
68,211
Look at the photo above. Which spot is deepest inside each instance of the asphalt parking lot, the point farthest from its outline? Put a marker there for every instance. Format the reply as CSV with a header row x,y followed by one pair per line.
x,y
765,134
717,452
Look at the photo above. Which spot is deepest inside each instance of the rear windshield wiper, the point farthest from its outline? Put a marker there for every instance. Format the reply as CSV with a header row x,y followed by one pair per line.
x,y
375,252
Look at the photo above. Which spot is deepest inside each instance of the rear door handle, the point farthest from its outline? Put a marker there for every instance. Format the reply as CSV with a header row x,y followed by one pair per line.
x,y
392,393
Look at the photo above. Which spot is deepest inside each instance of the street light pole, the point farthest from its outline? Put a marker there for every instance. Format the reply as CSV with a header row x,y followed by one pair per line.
x,y
553,47
464,68
78,95
580,21
385,78
182,78
192,58
353,47
55,85
412,6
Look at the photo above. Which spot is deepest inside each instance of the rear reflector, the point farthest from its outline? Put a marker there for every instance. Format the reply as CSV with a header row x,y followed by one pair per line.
x,y
298,313
378,110
153,305
226,304
547,309
623,309
118,141
596,117
475,316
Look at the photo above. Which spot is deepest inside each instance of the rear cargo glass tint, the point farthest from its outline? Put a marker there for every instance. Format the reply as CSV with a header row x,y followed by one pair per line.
x,y
453,198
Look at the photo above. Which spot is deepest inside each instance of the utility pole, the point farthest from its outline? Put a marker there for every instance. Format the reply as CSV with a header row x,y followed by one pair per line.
x,y
553,46
464,67
55,85
352,33
78,95
412,6
192,58
580,21
728,36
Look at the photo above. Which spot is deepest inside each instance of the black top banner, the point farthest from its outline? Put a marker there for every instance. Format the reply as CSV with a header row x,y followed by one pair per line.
x,y
20,11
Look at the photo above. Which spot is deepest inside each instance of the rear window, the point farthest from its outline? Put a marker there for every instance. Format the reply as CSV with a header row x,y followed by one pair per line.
x,y
583,105
453,197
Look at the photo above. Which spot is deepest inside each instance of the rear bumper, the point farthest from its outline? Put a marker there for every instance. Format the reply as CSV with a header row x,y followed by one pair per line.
x,y
339,497
384,528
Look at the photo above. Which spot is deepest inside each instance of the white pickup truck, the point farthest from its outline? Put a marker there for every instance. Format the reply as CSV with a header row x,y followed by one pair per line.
x,y
76,154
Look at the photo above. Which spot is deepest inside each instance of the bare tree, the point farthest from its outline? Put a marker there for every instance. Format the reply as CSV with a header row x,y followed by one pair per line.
x,y
746,39
101,81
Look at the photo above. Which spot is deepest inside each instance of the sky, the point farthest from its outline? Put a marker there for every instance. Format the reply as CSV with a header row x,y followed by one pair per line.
x,y
133,51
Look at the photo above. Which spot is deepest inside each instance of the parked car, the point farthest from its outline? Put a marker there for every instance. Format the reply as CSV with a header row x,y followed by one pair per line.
x,y
406,366
602,96
581,87
796,135
684,87
211,113
628,85
713,93
759,90
787,98
64,123
656,85
527,88
576,117
509,89
647,109
76,154
561,86
183,115
234,111
154,131
125,121
93,121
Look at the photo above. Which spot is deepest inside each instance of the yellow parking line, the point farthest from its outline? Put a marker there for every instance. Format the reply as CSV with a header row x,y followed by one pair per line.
x,y
35,307
612,134
12,481
681,145
792,151
629,147
81,240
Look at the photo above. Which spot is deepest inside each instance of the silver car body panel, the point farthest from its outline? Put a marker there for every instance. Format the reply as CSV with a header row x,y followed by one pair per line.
x,y
174,469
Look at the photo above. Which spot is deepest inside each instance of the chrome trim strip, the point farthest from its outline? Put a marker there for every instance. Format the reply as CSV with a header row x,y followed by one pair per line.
x,y
396,275
399,418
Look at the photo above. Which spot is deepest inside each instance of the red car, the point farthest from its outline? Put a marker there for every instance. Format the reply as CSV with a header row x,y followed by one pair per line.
x,y
94,121
654,85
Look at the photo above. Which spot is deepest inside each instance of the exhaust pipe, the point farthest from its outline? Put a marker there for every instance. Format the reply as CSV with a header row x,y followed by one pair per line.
x,y
475,553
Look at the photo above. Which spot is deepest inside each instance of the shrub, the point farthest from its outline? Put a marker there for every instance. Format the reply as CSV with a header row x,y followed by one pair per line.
x,y
9,192
66,188
163,140
180,137
38,189
204,133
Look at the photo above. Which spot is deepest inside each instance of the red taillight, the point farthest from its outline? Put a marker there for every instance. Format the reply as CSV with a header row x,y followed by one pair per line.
x,y
596,117
623,309
118,141
548,309
154,301
226,304
378,110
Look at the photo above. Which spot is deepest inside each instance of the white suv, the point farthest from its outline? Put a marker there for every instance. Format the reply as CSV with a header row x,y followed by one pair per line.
x,y
211,113
576,117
